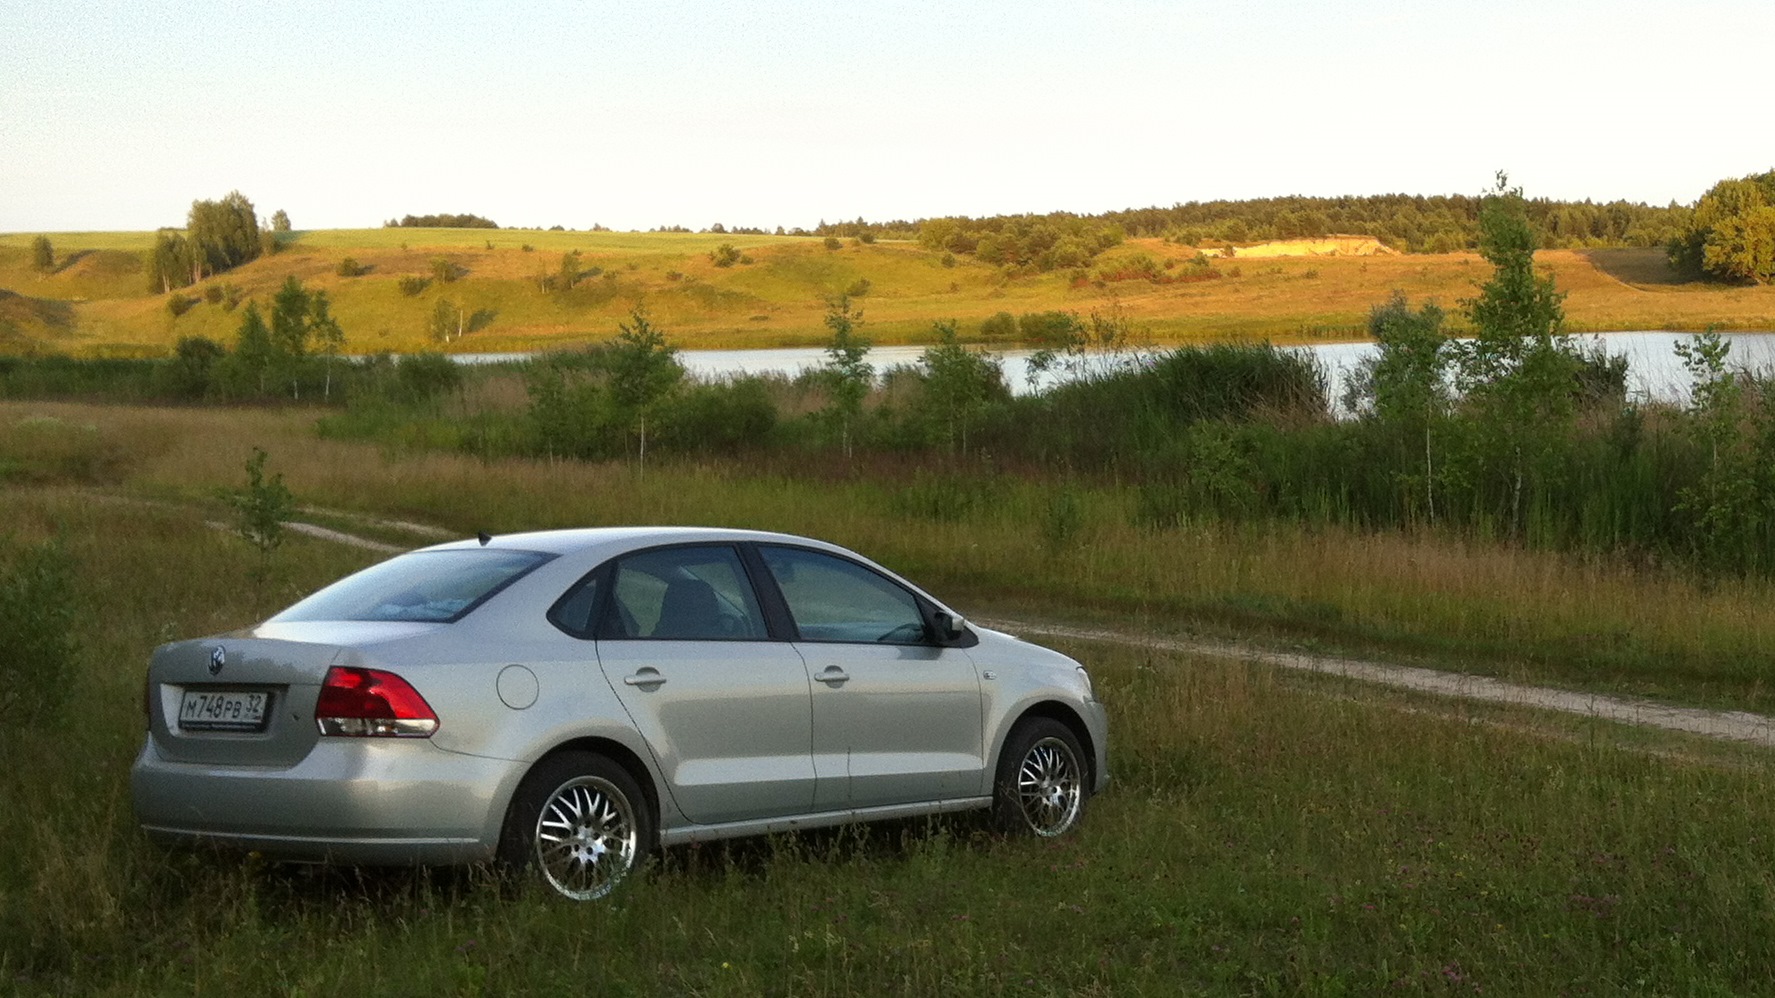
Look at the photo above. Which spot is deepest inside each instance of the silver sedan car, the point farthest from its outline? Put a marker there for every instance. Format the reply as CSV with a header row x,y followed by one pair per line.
x,y
567,701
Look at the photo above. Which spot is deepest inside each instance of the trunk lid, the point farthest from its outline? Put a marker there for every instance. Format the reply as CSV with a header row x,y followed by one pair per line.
x,y
247,698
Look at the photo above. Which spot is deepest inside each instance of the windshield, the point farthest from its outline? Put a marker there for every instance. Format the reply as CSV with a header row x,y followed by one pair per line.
x,y
428,586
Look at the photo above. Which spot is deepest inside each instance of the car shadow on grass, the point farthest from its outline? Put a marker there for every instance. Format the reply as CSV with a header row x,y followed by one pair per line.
x,y
876,842
321,886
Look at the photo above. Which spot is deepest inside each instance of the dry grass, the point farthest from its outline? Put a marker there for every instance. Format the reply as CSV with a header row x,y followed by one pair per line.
x,y
778,299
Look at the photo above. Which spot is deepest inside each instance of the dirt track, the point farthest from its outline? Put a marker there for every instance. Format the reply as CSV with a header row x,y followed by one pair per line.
x,y
1736,726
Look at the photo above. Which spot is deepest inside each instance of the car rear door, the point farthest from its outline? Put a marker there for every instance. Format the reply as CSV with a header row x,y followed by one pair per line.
x,y
724,708
898,715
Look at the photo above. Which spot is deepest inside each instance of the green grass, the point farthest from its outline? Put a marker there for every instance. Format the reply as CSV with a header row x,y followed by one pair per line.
x,y
1264,835
70,242
1538,616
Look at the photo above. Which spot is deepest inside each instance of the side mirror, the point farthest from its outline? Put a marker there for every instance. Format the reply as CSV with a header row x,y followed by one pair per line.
x,y
950,627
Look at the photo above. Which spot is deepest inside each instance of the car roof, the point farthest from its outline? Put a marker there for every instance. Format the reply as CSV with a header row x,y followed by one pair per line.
x,y
616,539
585,545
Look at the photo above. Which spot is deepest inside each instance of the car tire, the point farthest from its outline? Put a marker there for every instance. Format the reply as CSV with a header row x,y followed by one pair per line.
x,y
1040,788
581,821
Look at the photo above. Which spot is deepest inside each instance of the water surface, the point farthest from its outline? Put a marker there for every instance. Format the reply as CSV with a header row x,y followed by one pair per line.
x,y
1654,371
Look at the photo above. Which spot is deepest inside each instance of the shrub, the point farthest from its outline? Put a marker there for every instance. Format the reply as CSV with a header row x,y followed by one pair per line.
x,y
422,377
1062,519
1233,382
443,270
724,255
1052,328
186,375
213,294
570,415
866,238
412,285
1132,267
179,304
949,259
349,267
859,288
568,274
719,417
833,243
447,319
999,326
43,255
261,507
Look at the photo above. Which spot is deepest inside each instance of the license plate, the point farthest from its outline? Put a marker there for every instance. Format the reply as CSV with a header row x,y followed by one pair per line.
x,y
223,710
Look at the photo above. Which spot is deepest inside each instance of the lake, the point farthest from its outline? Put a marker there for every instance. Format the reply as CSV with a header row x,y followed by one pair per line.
x,y
1654,371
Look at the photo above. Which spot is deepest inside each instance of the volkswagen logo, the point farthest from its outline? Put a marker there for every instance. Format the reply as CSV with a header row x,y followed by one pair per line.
x,y
218,658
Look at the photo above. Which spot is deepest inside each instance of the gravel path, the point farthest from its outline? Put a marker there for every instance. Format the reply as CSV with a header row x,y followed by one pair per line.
x,y
1727,725
336,536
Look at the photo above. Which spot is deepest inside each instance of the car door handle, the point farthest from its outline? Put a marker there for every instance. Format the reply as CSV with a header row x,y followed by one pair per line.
x,y
832,675
645,677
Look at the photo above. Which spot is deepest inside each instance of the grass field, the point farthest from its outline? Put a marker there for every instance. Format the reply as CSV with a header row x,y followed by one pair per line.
x,y
1265,834
1493,608
778,299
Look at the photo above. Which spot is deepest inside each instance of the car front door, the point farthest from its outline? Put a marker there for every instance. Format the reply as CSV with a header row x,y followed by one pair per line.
x,y
724,708
896,714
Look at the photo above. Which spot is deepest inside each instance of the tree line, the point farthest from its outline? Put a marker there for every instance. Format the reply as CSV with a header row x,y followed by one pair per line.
x,y
440,222
1408,223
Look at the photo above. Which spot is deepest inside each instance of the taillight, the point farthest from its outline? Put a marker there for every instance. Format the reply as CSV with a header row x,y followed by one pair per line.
x,y
370,703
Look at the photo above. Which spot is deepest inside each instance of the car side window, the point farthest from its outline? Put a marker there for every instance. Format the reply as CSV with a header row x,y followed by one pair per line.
x,y
698,593
572,613
833,599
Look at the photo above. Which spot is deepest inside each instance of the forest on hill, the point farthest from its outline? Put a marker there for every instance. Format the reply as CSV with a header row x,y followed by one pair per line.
x,y
1409,223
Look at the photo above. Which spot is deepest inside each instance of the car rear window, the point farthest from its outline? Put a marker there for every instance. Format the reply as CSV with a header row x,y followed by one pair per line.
x,y
425,586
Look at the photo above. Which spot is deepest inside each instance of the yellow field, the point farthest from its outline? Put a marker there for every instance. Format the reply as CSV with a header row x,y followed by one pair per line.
x,y
96,303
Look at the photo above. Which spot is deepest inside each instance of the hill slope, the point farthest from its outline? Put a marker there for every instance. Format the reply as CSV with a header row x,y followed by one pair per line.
x,y
96,301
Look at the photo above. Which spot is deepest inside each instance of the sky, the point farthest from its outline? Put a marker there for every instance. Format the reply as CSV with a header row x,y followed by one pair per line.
x,y
116,116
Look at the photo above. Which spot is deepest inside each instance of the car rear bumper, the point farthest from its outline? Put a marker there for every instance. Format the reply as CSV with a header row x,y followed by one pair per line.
x,y
351,800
